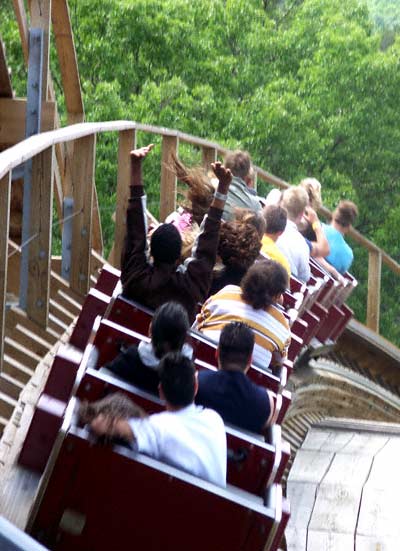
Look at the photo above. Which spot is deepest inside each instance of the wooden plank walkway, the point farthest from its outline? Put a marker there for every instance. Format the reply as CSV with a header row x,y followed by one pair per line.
x,y
343,488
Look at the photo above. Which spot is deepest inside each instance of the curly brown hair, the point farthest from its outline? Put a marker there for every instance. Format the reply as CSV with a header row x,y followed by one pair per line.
x,y
256,219
199,193
239,245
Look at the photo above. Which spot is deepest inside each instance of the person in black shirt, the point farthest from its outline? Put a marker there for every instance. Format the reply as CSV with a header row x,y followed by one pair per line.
x,y
162,278
138,365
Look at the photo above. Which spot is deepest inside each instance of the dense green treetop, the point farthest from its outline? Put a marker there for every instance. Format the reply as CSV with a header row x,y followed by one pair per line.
x,y
309,87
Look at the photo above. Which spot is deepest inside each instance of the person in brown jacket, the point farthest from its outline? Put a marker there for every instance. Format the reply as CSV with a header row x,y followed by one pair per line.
x,y
163,279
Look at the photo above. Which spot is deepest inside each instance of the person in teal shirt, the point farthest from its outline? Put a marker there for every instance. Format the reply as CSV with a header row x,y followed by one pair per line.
x,y
341,254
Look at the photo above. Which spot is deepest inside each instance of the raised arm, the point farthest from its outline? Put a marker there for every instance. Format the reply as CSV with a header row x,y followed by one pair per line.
x,y
320,247
136,158
224,176
134,257
198,268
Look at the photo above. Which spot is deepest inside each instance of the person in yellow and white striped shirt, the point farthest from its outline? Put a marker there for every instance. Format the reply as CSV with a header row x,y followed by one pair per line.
x,y
256,303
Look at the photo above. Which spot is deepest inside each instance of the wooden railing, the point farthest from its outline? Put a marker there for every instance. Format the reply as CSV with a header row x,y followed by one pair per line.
x,y
82,143
376,257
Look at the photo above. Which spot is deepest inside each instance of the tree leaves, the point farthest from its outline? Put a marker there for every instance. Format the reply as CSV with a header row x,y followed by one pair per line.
x,y
309,87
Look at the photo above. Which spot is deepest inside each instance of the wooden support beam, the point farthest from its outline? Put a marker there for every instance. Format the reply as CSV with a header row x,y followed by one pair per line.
x,y
97,234
68,63
127,142
6,90
58,191
20,14
96,264
41,229
23,355
168,178
7,406
208,155
40,11
374,290
40,15
5,194
64,295
12,119
60,169
59,288
72,92
28,333
83,184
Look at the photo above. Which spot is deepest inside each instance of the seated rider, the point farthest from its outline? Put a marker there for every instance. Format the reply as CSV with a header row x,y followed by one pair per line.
x,y
229,391
291,243
241,194
257,303
138,364
275,221
186,436
341,254
294,200
197,197
239,247
164,279
313,189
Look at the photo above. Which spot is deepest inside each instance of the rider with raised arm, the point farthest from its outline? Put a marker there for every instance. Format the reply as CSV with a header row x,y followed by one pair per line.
x,y
164,278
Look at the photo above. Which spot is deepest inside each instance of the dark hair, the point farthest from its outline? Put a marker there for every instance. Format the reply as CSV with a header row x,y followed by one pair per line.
x,y
169,326
275,219
345,213
239,245
178,379
262,282
238,162
166,244
236,344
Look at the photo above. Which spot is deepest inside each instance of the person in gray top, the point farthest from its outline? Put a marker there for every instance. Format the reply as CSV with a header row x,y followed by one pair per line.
x,y
240,195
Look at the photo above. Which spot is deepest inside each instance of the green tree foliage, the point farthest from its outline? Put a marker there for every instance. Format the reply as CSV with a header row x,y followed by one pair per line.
x,y
386,16
10,36
309,87
385,13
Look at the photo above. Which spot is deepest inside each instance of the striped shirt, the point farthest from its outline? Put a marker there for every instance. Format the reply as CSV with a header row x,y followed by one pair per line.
x,y
270,327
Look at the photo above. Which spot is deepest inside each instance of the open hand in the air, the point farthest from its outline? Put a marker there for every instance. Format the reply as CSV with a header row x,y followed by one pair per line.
x,y
141,152
224,176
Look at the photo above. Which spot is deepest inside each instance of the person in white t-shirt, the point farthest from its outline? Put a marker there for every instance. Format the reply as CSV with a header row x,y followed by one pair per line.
x,y
291,243
186,436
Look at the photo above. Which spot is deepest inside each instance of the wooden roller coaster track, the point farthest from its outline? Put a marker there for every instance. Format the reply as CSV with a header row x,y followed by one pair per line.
x,y
363,364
